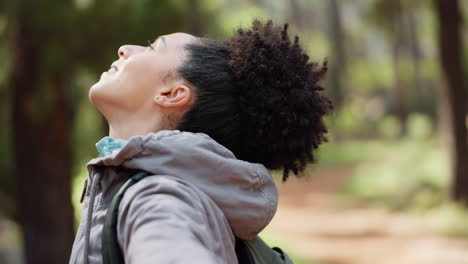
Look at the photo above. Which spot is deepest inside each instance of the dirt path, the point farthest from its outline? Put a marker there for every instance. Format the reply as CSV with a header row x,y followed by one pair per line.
x,y
321,226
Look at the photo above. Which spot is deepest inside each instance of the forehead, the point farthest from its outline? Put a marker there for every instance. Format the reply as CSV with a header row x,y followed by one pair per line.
x,y
177,39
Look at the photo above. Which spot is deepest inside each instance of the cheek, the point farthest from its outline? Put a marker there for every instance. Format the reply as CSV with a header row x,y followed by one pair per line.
x,y
130,88
139,76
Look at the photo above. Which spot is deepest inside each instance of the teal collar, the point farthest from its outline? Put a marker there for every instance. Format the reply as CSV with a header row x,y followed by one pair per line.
x,y
107,145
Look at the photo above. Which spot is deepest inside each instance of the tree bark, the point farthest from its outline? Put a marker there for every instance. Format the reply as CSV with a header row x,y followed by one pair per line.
x,y
416,55
400,94
296,14
338,63
451,54
42,152
194,22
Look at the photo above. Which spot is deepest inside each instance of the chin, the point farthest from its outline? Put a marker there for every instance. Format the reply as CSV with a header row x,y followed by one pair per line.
x,y
106,95
99,93
99,90
94,92
98,98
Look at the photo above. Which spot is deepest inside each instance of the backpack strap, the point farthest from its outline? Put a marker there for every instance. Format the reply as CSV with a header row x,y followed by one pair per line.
x,y
242,252
111,251
263,254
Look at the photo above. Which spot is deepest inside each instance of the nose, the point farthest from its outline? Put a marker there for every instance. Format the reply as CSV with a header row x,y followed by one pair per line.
x,y
126,51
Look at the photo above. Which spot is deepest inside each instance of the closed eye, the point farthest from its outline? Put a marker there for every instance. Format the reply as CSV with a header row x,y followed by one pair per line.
x,y
150,45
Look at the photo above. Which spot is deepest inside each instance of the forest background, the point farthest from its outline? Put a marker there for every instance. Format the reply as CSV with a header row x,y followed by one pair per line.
x,y
398,78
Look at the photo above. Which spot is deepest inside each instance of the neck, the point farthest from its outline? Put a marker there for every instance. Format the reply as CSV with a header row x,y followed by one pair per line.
x,y
125,129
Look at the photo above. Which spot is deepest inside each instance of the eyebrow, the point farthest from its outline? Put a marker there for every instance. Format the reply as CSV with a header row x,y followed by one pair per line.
x,y
163,40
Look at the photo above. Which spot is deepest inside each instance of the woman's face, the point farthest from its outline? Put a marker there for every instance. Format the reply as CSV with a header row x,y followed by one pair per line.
x,y
134,80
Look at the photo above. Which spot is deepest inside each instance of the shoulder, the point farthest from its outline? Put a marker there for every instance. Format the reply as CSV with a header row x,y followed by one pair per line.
x,y
158,190
161,216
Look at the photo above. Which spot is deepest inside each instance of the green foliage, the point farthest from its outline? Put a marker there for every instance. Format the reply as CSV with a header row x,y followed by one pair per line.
x,y
412,175
384,13
450,219
87,128
352,152
235,15
419,126
389,127
370,76
349,121
317,45
274,240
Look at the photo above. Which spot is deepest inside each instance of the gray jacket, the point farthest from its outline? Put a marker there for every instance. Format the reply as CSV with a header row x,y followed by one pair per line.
x,y
200,197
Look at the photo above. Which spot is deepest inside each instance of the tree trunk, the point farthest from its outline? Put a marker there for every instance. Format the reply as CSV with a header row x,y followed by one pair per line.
x,y
42,153
400,94
194,20
338,61
296,14
450,48
416,55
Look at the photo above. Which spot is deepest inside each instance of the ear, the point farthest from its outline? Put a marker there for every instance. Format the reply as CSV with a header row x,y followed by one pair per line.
x,y
178,95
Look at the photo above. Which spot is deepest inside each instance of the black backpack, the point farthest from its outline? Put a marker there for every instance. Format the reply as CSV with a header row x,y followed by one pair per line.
x,y
247,251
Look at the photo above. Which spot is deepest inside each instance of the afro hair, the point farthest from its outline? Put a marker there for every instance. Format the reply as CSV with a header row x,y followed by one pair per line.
x,y
258,95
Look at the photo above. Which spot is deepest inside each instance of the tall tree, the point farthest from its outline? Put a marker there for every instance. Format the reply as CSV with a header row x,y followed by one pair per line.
x,y
296,14
401,100
42,152
416,54
451,54
338,61
389,15
48,41
194,23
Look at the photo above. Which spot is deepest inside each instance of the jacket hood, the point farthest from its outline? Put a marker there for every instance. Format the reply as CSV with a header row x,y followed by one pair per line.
x,y
245,192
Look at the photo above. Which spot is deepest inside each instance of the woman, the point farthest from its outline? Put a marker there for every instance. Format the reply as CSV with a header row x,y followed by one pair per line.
x,y
207,119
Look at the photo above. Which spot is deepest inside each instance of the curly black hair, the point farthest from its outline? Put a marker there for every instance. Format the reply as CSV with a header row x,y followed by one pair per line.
x,y
258,95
